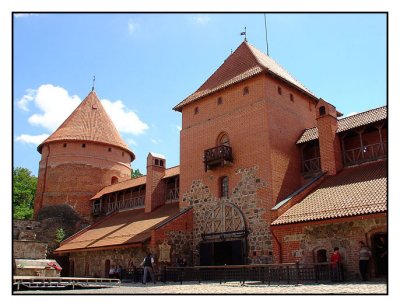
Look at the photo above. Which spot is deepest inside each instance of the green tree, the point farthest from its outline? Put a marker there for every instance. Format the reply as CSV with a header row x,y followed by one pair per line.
x,y
60,235
24,189
136,173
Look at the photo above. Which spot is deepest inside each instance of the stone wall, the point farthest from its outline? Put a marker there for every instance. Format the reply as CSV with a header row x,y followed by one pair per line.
x,y
302,241
96,260
29,250
244,197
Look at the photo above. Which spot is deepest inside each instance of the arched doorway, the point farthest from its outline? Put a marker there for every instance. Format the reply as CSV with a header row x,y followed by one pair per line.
x,y
224,237
379,248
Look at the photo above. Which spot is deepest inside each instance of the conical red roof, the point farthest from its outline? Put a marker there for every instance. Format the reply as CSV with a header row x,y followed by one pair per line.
x,y
89,122
246,61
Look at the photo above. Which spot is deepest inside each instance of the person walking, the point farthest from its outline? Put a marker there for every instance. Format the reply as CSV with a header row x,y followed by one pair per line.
x,y
336,262
148,263
364,255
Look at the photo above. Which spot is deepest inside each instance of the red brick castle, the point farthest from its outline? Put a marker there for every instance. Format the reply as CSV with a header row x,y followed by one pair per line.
x,y
268,174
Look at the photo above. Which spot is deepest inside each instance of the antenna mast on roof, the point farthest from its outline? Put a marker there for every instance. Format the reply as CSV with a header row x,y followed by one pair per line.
x,y
244,33
94,79
266,32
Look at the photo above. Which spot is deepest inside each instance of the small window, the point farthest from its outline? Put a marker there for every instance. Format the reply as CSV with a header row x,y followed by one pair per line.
x,y
109,149
65,145
245,91
322,111
224,186
223,139
161,163
219,100
196,110
156,161
114,180
83,145
291,97
279,90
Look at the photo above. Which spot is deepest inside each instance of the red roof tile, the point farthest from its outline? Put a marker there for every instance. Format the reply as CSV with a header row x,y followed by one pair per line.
x,y
173,171
123,185
122,228
348,123
89,122
246,61
355,191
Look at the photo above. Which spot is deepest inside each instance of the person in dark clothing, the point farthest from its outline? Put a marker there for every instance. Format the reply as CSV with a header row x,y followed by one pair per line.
x,y
364,255
148,263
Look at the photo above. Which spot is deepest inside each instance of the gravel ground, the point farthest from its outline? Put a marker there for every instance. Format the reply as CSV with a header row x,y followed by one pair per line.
x,y
228,288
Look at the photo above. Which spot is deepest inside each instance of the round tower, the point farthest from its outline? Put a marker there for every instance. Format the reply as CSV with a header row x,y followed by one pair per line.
x,y
85,154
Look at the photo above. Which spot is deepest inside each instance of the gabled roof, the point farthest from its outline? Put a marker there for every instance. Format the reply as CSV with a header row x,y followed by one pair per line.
x,y
355,191
134,182
123,185
245,62
119,230
89,122
348,123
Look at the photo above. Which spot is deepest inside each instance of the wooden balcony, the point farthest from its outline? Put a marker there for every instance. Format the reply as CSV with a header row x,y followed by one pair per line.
x,y
310,167
217,156
365,153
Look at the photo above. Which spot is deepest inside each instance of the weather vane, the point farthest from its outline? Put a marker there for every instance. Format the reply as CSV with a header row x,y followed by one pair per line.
x,y
244,33
94,79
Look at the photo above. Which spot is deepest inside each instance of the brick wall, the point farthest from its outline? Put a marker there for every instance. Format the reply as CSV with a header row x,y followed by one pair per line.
x,y
73,174
29,250
301,241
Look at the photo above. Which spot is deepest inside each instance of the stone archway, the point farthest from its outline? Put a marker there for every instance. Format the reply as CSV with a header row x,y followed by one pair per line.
x,y
224,218
224,236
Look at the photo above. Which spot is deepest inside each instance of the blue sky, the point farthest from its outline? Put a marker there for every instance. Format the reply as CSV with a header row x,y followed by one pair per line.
x,y
145,64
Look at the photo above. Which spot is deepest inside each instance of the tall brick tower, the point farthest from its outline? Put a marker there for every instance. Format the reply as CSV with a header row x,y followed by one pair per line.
x,y
82,156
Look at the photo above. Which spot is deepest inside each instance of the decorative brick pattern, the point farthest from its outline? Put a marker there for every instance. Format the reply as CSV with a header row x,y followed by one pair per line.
x,y
244,196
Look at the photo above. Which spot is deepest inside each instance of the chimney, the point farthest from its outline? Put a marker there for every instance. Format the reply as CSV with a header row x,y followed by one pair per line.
x,y
155,189
329,142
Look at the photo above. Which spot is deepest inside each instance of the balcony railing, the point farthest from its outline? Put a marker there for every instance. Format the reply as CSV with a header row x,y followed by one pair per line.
x,y
172,196
365,153
132,203
311,166
217,156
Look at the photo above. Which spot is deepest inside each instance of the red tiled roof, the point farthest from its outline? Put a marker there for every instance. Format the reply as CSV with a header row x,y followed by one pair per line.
x,y
355,191
173,171
348,123
135,182
123,185
122,228
246,61
89,122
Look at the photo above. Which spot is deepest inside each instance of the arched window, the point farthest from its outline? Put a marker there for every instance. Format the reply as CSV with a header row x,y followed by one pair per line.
x,y
223,139
322,111
114,180
321,256
224,186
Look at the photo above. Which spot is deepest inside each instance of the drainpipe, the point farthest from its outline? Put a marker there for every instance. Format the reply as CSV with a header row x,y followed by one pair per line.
x,y
279,245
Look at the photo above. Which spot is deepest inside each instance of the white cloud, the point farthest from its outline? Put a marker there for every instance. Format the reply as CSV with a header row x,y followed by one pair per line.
x,y
124,120
23,15
132,26
31,139
178,127
55,105
26,99
154,141
131,142
202,19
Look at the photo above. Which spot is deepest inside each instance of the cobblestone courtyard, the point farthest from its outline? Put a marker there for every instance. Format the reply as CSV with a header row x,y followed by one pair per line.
x,y
228,288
